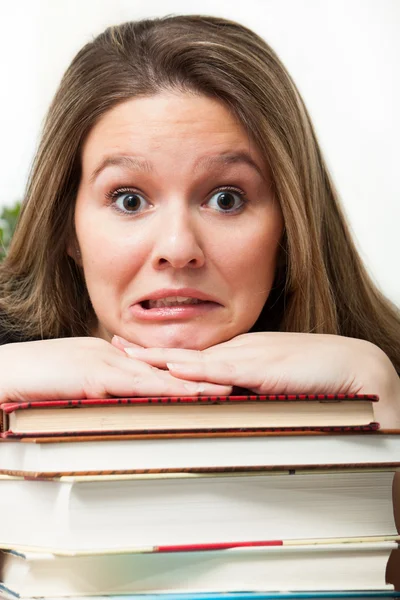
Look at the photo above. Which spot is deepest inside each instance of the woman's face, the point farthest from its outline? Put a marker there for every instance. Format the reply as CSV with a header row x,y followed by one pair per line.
x,y
176,223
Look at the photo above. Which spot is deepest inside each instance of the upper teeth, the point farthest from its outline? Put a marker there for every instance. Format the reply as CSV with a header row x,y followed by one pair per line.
x,y
171,300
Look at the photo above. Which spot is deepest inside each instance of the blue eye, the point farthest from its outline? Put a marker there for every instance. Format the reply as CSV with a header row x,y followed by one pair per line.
x,y
127,201
228,200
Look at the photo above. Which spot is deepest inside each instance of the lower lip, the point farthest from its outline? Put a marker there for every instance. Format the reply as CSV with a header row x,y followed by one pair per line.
x,y
168,313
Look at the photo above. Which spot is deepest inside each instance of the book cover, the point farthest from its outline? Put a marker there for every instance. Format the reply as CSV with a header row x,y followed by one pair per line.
x,y
306,544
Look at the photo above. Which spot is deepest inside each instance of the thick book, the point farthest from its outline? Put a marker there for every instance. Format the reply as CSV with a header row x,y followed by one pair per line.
x,y
193,452
144,511
191,413
346,566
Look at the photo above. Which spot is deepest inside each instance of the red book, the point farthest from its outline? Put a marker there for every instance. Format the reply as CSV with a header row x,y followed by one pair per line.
x,y
189,414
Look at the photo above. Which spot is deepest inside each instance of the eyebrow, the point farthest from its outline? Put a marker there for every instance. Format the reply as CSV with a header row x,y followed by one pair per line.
x,y
134,163
229,158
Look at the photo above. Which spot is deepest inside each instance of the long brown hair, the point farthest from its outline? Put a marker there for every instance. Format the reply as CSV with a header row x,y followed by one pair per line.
x,y
321,285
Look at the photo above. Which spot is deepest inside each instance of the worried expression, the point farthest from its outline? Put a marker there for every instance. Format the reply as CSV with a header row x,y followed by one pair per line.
x,y
176,222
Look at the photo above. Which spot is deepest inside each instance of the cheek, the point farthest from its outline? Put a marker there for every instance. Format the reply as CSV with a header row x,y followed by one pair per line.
x,y
110,257
250,258
254,265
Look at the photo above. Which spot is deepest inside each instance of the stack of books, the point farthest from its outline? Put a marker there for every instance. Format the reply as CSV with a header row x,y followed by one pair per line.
x,y
273,496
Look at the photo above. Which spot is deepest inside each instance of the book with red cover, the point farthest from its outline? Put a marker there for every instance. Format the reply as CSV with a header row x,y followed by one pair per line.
x,y
190,414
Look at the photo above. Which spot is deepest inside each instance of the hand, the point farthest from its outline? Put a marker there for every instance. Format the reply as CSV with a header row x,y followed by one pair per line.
x,y
86,367
272,363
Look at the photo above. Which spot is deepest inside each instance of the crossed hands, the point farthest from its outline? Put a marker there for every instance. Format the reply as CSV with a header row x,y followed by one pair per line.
x,y
273,363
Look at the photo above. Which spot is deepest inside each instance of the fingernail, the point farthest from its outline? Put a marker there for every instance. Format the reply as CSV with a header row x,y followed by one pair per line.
x,y
119,339
135,352
125,343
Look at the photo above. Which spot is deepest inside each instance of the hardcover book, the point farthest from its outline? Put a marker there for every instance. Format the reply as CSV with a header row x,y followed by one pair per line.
x,y
57,456
143,511
326,412
349,566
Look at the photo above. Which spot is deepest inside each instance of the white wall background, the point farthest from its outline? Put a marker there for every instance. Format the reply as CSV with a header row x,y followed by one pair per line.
x,y
344,56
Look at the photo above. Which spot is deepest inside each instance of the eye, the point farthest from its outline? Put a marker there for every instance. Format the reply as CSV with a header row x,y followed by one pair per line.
x,y
127,200
227,199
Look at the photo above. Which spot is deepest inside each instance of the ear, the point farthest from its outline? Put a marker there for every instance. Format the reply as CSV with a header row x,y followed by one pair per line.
x,y
74,252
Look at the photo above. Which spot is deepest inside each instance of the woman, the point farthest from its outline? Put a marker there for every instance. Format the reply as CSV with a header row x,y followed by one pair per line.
x,y
181,234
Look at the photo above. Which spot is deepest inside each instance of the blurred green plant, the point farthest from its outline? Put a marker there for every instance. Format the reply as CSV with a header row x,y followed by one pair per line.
x,y
8,221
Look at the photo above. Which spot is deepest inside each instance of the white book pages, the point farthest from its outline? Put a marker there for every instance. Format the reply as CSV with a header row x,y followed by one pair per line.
x,y
112,513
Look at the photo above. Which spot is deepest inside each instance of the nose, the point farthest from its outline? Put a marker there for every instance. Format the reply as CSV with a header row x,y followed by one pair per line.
x,y
178,243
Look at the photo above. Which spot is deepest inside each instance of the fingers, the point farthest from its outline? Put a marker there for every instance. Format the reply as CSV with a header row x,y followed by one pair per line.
x,y
224,372
121,343
158,357
137,378
224,364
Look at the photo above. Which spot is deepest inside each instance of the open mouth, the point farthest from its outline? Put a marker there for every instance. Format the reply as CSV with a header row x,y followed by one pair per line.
x,y
171,301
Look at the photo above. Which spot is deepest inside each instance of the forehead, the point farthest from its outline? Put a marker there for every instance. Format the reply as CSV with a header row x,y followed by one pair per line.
x,y
167,108
164,124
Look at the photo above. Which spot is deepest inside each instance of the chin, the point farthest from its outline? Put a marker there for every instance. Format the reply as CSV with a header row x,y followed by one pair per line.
x,y
178,337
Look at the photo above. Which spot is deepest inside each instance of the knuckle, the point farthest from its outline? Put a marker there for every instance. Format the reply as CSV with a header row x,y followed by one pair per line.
x,y
93,388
